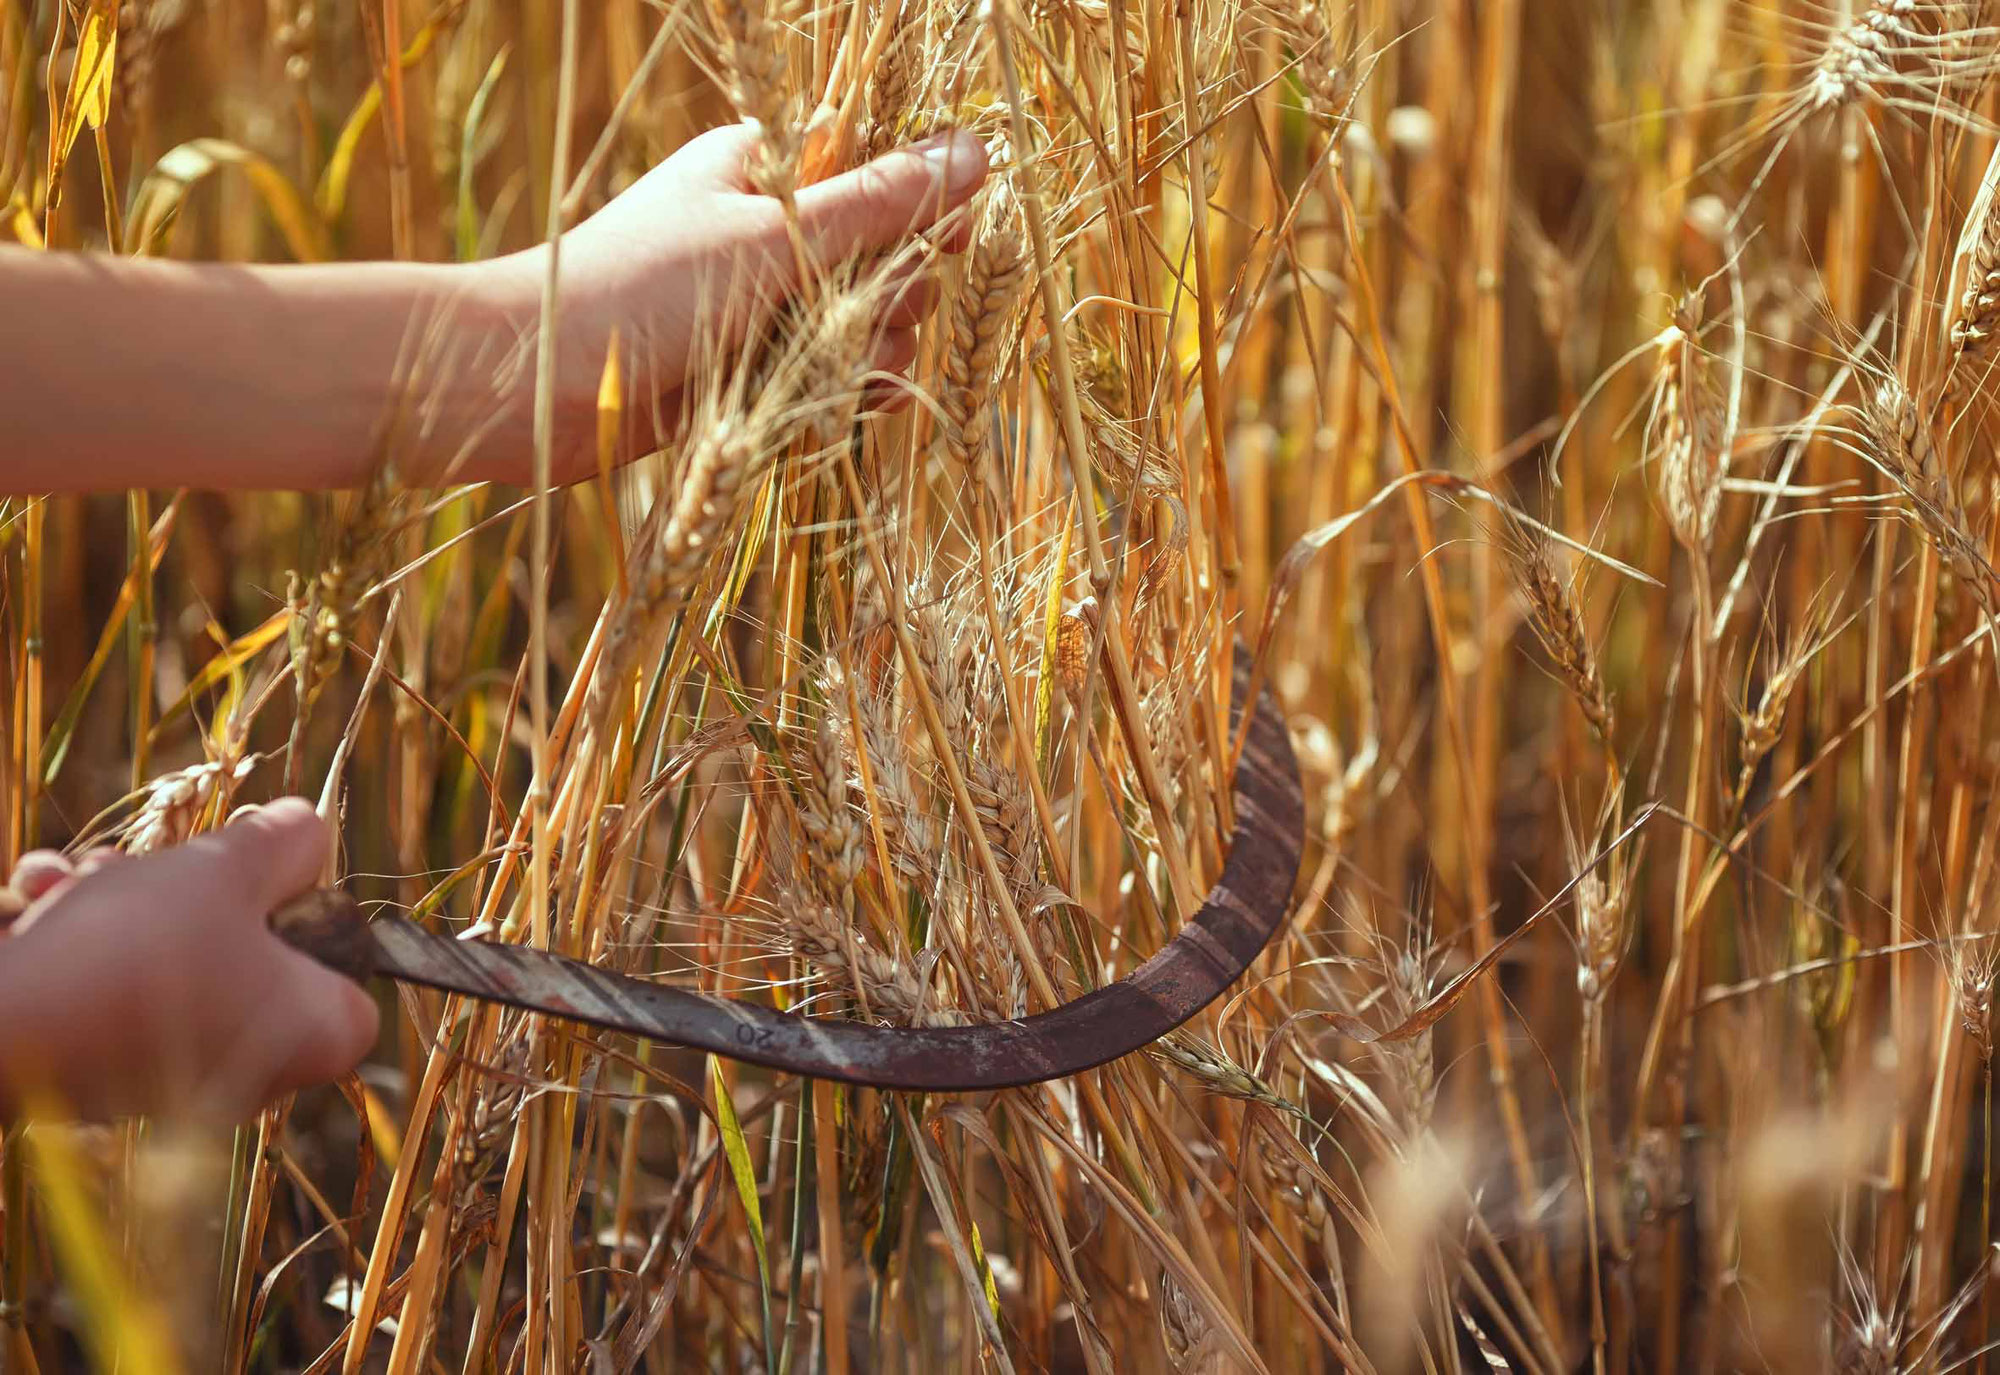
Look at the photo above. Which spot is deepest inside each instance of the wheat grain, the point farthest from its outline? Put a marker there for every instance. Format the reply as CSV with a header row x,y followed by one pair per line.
x,y
1557,619
753,43
1191,1345
1969,336
1300,1186
905,810
836,358
326,610
664,563
1686,431
1859,59
1412,1061
1327,69
1763,724
821,937
1554,276
1869,1334
1220,1073
143,26
295,26
833,832
896,87
1901,444
968,697
992,291
1007,814
1973,965
175,805
1602,902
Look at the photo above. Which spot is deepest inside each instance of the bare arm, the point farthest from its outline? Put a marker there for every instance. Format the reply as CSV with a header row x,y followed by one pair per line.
x,y
121,372
118,372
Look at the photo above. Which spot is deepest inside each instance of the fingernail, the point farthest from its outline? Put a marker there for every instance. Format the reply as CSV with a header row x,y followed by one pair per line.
x,y
956,158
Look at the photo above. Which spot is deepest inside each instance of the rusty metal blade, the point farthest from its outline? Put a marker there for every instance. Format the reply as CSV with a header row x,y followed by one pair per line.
x,y
1242,912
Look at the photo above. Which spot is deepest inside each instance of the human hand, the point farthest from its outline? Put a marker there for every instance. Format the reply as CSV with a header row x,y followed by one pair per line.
x,y
678,262
154,985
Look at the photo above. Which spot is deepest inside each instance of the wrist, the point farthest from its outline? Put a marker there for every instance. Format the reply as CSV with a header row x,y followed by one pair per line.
x,y
504,298
461,402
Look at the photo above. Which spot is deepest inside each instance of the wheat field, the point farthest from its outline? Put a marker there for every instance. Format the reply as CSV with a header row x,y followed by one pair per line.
x,y
1582,413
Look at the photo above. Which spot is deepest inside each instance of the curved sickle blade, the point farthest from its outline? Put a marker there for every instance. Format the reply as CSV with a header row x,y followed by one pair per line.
x,y
1242,912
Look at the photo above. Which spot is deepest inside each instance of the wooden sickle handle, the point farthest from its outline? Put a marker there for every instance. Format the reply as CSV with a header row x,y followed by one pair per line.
x,y
328,925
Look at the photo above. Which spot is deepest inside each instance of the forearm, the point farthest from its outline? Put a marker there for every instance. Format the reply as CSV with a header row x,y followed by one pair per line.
x,y
120,372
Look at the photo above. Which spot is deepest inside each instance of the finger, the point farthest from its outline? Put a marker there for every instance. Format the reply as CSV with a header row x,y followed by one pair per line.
x,y
38,872
957,235
901,193
277,852
912,301
333,1022
40,876
895,350
885,398
98,860
308,1026
719,157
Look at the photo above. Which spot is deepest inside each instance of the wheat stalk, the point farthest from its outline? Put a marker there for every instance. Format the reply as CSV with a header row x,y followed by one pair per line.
x,y
763,714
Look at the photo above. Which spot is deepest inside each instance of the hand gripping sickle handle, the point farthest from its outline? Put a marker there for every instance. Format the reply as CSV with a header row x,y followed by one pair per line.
x,y
329,925
1214,948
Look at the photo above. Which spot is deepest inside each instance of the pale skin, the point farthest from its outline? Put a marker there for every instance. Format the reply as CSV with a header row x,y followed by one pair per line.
x,y
152,984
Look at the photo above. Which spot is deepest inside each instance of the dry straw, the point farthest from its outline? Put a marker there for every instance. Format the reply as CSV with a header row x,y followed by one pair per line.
x,y
924,717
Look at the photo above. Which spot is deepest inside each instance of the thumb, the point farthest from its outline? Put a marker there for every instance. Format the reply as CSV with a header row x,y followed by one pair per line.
x,y
878,205
279,850
263,856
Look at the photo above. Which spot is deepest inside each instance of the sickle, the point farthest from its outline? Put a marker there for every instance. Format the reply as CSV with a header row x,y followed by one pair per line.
x,y
1241,914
